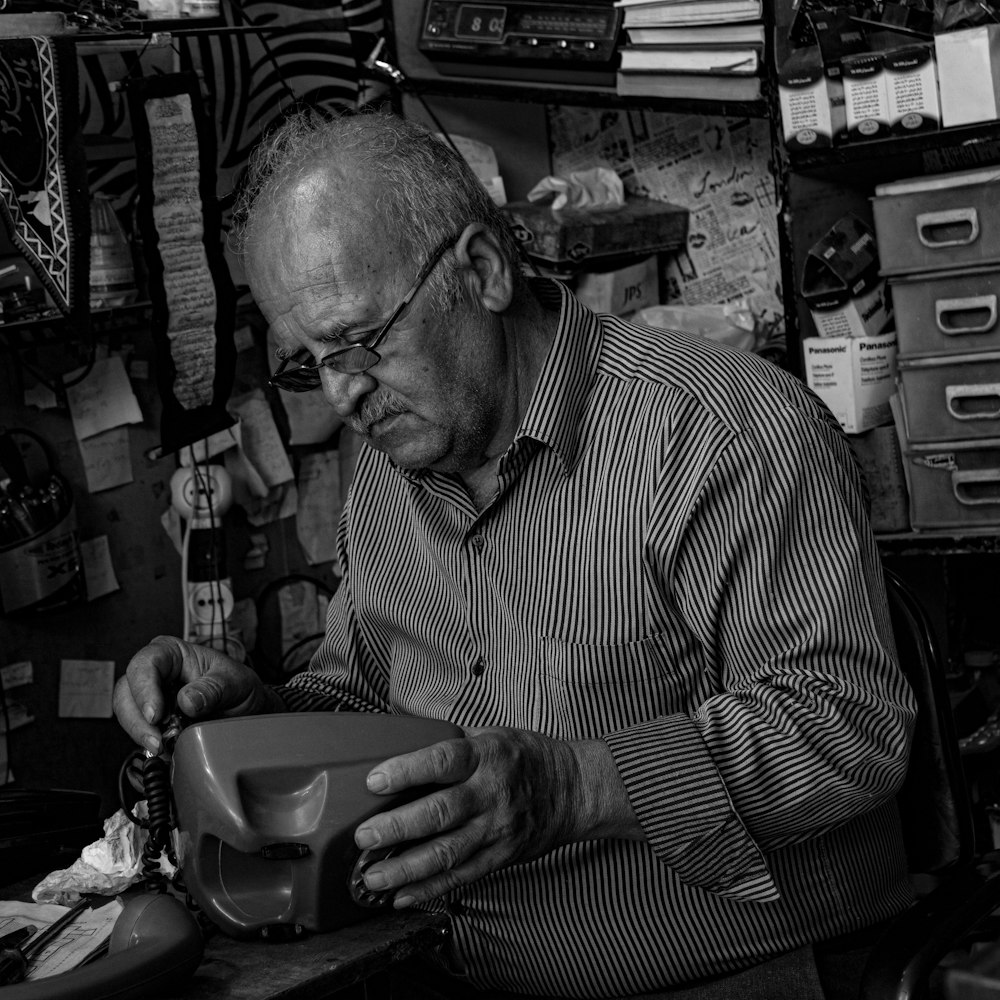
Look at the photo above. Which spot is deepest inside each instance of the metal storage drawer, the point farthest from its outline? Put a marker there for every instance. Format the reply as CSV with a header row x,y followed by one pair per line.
x,y
938,223
950,397
954,484
947,312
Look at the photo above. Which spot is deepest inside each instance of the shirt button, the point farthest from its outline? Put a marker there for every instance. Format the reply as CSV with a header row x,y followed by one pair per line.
x,y
457,909
479,667
478,542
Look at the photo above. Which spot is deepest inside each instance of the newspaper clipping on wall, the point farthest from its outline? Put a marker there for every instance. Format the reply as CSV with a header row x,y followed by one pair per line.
x,y
718,168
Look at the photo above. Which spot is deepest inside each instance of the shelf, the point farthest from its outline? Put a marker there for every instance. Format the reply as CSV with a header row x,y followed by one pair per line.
x,y
967,136
27,333
579,95
964,541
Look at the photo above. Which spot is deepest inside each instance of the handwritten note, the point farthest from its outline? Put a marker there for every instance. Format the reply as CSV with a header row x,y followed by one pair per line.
x,y
98,569
103,399
261,441
107,461
319,506
85,688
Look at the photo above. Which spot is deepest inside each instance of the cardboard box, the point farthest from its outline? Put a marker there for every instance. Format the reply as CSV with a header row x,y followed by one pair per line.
x,y
968,65
912,89
807,101
841,282
866,98
640,226
622,290
854,376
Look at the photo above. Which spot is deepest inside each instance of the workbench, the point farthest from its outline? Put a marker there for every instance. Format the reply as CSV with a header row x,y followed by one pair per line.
x,y
316,966
352,962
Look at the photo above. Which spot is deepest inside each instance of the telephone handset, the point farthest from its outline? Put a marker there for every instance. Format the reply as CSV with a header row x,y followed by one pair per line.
x,y
156,944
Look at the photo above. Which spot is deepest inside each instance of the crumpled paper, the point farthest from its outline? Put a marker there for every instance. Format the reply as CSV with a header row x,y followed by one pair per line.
x,y
106,867
597,189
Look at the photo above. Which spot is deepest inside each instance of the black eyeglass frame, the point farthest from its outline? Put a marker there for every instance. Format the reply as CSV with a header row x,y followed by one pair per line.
x,y
306,377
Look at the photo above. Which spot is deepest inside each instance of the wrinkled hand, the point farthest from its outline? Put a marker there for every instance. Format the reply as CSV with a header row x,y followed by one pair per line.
x,y
203,681
512,796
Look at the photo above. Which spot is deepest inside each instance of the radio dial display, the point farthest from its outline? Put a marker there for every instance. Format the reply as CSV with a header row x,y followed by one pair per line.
x,y
482,24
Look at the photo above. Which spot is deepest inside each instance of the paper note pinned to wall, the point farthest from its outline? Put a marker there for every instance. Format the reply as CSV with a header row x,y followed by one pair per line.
x,y
85,689
106,459
103,399
98,569
319,506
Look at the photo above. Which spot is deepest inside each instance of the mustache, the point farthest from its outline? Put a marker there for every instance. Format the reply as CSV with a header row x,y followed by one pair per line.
x,y
372,410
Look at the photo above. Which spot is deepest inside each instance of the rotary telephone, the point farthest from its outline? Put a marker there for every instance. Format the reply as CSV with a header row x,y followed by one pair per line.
x,y
265,808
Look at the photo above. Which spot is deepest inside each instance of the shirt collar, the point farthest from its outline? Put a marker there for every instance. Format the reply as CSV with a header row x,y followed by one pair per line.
x,y
555,410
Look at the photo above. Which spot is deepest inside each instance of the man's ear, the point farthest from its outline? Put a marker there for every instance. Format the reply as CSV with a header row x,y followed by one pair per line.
x,y
486,269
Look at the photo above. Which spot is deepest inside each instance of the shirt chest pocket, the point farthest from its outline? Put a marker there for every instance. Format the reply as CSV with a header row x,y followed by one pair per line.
x,y
583,690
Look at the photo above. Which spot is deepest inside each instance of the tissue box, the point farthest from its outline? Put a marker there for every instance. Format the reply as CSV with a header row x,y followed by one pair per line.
x,y
854,376
622,290
640,226
969,74
841,282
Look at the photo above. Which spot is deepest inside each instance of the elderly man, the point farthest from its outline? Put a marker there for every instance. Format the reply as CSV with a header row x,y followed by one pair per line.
x,y
633,566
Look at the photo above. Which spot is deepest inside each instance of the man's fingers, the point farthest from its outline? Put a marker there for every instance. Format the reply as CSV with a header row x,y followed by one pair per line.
x,y
439,764
435,813
131,718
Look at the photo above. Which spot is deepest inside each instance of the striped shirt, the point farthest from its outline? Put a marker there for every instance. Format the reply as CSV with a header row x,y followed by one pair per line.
x,y
677,562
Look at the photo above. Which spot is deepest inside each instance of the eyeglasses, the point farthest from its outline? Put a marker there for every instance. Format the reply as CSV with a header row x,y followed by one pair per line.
x,y
358,357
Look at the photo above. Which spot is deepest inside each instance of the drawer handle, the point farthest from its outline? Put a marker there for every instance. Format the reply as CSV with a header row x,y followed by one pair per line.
x,y
927,222
947,307
968,487
961,401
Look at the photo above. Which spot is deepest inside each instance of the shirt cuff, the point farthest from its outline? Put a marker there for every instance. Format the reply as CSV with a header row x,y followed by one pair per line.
x,y
685,811
312,692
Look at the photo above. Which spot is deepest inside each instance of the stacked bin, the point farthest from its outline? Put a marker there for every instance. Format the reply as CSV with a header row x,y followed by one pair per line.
x,y
939,245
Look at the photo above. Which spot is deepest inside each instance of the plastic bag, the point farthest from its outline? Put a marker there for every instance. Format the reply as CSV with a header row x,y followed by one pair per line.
x,y
732,323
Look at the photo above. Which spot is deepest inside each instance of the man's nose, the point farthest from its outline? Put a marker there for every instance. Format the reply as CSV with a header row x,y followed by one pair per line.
x,y
343,391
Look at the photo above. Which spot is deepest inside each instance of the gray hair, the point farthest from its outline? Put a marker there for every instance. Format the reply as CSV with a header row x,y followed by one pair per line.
x,y
426,191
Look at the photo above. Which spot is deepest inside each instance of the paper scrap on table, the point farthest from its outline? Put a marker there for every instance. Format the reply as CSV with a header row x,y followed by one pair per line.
x,y
72,946
98,570
107,459
319,506
85,688
104,399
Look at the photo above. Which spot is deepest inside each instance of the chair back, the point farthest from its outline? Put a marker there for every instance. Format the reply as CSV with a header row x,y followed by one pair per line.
x,y
934,803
